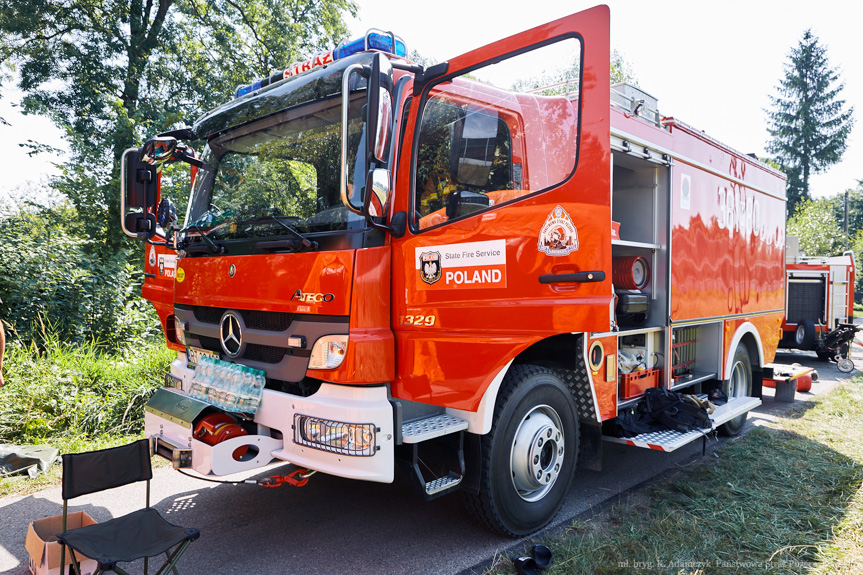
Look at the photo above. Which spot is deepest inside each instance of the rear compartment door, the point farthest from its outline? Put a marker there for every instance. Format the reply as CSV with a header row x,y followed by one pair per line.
x,y
505,172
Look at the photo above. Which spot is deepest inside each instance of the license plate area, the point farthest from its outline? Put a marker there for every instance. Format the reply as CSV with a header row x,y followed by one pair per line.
x,y
195,354
173,382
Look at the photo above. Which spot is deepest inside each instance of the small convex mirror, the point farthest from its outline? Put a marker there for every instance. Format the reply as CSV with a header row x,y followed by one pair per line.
x,y
166,215
157,150
381,186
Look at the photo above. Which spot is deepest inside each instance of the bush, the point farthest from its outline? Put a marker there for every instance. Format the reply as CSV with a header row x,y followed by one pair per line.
x,y
56,278
60,390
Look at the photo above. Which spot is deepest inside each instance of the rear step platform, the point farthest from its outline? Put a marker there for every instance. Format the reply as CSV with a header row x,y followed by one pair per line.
x,y
671,440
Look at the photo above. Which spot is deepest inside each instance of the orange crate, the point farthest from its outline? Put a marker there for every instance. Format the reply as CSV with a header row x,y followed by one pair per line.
x,y
635,383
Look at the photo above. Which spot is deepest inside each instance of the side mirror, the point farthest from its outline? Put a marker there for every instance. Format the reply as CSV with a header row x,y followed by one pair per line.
x,y
157,151
139,184
379,107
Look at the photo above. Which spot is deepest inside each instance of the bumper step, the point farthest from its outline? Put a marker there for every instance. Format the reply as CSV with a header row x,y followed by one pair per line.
x,y
430,427
434,453
442,485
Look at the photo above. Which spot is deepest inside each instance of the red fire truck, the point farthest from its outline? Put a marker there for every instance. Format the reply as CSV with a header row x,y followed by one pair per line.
x,y
444,267
819,304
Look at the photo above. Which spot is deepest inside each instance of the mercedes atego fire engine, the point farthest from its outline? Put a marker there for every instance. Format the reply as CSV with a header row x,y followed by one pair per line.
x,y
466,268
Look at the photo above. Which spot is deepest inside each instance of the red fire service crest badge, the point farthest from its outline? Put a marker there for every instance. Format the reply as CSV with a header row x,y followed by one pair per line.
x,y
558,236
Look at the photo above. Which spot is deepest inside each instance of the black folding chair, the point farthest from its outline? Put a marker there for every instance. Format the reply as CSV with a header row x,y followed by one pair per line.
x,y
143,533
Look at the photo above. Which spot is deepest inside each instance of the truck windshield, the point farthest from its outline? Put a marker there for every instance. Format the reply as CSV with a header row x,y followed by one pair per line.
x,y
280,170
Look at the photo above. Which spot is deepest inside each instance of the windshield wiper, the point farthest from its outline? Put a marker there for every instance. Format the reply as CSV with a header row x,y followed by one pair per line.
x,y
276,244
307,243
210,247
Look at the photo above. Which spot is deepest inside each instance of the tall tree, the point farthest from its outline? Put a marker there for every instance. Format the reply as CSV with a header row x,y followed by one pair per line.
x,y
808,122
112,72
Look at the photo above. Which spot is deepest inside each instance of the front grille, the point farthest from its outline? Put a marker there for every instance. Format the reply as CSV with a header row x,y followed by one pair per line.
x,y
208,314
254,351
264,353
254,319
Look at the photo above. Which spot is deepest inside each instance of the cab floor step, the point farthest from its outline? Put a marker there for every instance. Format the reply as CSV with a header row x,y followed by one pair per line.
x,y
430,427
442,484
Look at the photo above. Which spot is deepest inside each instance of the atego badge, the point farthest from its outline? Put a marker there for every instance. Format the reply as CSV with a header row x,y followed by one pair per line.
x,y
558,236
430,268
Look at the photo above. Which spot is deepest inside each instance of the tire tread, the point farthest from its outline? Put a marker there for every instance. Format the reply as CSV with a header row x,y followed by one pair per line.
x,y
481,506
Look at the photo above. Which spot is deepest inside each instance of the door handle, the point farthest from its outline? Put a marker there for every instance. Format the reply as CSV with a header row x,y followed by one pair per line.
x,y
579,277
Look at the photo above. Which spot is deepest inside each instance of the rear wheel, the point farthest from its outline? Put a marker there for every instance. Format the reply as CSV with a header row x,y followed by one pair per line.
x,y
738,384
804,336
528,458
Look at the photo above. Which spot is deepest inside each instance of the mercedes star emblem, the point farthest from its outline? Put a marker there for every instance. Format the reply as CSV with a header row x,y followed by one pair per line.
x,y
231,334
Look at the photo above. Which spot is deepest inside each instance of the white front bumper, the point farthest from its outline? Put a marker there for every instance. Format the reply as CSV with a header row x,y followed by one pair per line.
x,y
335,402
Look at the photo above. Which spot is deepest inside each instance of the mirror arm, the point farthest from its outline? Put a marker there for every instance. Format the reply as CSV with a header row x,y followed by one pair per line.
x,y
414,69
195,162
398,221
429,74
181,134
343,182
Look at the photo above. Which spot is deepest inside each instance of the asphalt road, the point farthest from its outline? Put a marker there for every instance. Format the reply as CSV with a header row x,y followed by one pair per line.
x,y
335,525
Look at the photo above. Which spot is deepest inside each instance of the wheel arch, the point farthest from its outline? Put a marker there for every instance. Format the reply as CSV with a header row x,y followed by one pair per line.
x,y
564,354
746,334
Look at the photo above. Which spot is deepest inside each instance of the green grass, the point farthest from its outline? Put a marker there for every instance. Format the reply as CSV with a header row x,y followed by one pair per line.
x,y
75,398
785,499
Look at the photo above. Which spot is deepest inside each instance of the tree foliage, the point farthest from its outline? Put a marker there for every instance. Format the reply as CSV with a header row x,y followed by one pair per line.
x,y
53,283
808,122
814,222
855,209
113,72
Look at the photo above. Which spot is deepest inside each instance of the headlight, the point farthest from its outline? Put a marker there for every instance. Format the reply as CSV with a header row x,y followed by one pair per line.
x,y
335,436
180,331
329,352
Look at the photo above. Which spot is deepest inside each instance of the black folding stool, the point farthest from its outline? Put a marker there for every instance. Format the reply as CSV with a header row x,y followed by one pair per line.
x,y
143,533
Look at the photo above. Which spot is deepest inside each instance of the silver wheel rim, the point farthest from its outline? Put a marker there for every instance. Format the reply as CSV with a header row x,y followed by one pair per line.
x,y
738,383
799,335
536,457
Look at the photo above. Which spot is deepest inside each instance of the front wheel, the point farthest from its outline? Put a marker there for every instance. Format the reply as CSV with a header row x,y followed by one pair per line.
x,y
739,384
528,458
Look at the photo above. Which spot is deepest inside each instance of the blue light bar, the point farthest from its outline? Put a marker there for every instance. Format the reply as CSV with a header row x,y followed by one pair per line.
x,y
382,42
375,41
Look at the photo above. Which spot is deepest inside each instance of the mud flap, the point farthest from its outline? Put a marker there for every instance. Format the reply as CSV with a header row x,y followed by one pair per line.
x,y
590,446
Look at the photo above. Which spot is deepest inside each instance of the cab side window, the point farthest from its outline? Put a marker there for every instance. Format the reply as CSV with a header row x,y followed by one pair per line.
x,y
464,153
497,133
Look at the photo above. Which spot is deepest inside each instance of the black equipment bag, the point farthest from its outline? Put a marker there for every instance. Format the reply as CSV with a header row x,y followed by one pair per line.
x,y
669,409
